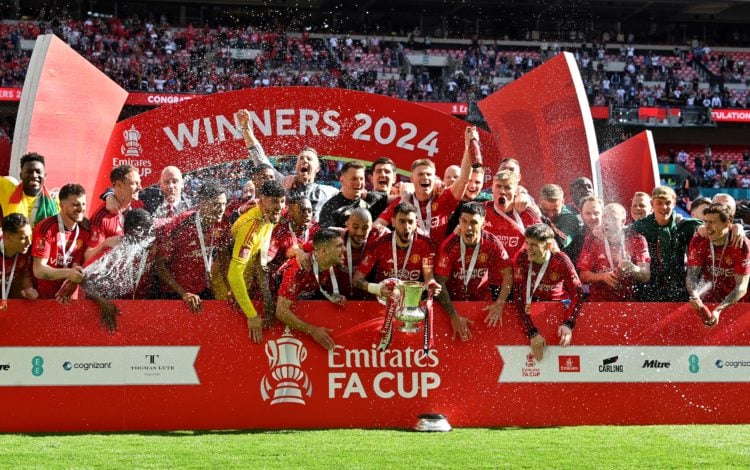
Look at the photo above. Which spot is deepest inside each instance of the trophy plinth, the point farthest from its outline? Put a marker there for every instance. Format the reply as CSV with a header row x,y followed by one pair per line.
x,y
410,312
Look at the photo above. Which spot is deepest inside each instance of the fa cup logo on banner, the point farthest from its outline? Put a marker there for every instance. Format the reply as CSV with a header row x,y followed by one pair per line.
x,y
285,377
131,148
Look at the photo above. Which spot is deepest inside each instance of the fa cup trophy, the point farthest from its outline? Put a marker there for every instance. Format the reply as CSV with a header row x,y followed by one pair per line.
x,y
410,312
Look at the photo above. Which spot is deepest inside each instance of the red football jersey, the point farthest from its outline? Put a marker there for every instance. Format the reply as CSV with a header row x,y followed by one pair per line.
x,y
560,282
178,242
509,233
441,209
46,246
299,284
491,254
594,258
23,268
105,224
379,257
720,269
342,272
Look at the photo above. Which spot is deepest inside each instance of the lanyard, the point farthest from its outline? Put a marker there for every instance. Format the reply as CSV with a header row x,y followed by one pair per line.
x,y
515,221
472,263
265,245
6,283
715,266
334,283
529,292
294,235
61,241
206,252
349,261
397,272
428,225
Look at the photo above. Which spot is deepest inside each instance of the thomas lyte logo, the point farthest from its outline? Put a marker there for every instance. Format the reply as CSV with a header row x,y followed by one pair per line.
x,y
285,379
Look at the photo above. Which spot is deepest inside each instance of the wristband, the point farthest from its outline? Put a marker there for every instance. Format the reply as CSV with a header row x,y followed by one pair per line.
x,y
373,288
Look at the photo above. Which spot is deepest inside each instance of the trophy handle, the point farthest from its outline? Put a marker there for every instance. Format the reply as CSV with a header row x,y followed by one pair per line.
x,y
272,352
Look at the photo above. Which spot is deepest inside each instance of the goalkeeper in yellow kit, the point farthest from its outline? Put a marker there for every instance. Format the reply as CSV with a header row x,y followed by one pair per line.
x,y
252,237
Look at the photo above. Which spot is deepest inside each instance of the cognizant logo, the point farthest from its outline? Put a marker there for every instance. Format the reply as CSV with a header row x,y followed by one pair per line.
x,y
733,364
67,365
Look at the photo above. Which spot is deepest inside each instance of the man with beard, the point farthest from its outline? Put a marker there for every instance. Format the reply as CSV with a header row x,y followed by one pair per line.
x,y
125,271
29,197
360,232
60,242
718,271
433,211
337,209
543,275
107,227
503,219
668,241
17,271
252,239
307,166
463,270
614,263
565,224
317,283
191,258
382,175
580,188
167,201
403,254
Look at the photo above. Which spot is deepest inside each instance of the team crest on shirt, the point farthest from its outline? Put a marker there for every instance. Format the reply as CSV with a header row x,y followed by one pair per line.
x,y
415,259
434,206
483,257
79,244
555,277
728,260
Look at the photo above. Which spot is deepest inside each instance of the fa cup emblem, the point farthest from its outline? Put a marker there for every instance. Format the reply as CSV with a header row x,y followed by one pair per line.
x,y
285,378
131,147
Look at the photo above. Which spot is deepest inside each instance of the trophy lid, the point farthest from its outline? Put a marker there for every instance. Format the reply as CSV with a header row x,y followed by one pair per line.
x,y
432,422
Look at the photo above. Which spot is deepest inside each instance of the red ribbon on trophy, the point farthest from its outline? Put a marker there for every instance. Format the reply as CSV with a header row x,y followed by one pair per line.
x,y
392,305
428,339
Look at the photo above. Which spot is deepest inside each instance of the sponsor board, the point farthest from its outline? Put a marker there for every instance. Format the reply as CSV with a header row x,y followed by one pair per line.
x,y
626,364
99,365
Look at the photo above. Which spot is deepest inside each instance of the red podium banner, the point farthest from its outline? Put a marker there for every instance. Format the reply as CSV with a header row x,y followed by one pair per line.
x,y
339,123
166,368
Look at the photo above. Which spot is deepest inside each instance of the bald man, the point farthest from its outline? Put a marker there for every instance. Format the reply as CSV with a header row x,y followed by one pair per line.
x,y
164,202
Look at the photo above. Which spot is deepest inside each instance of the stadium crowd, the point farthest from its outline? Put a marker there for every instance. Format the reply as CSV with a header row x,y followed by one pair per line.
x,y
284,236
154,56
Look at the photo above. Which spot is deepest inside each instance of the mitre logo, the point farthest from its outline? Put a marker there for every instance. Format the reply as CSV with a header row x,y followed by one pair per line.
x,y
285,379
